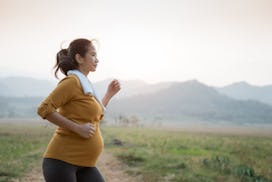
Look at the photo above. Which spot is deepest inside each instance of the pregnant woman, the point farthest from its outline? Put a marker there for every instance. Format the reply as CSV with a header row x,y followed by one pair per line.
x,y
76,109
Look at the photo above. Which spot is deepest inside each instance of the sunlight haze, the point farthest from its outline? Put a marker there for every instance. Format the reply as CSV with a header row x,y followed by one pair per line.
x,y
217,42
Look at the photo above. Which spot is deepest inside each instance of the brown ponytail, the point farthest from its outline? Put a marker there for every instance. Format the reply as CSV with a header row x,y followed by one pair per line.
x,y
64,62
65,59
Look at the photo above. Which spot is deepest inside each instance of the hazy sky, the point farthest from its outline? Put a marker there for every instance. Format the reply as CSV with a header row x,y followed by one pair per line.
x,y
214,41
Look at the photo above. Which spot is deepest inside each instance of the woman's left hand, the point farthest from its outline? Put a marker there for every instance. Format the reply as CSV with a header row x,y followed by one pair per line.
x,y
113,88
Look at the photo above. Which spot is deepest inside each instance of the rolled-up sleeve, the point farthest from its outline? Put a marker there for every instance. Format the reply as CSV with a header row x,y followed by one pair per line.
x,y
63,93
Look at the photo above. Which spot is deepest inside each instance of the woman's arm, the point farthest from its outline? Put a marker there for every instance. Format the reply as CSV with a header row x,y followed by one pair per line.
x,y
113,88
85,130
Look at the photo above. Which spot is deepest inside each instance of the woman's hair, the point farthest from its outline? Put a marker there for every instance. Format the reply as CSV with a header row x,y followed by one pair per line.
x,y
65,59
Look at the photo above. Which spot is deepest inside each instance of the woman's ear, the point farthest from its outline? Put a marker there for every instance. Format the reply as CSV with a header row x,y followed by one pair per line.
x,y
78,58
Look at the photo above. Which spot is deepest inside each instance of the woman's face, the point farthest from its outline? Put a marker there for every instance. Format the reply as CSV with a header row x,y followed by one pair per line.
x,y
89,61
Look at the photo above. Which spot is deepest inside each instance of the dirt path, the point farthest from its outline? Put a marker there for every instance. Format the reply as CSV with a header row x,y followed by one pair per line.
x,y
112,170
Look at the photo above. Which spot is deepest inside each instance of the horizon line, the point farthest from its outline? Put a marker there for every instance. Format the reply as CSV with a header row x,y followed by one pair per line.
x,y
141,80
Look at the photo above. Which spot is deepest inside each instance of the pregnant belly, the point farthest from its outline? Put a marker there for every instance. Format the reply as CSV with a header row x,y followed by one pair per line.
x,y
75,149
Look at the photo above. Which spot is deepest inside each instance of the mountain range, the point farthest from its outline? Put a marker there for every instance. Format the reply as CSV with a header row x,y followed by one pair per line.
x,y
31,87
24,87
173,101
193,101
245,91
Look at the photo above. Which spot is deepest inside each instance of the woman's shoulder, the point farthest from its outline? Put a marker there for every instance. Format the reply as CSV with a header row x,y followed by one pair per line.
x,y
70,80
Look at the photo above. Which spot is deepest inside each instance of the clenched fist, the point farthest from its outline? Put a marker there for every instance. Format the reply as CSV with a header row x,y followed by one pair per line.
x,y
113,87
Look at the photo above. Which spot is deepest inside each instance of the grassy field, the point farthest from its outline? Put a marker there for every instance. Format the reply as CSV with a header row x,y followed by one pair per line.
x,y
172,155
155,154
22,145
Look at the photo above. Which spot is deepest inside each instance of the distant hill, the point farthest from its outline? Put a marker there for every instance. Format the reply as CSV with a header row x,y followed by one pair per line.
x,y
168,101
19,107
131,87
30,87
24,87
193,101
245,91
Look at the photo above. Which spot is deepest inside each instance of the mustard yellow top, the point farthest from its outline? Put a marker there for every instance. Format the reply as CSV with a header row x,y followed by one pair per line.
x,y
70,101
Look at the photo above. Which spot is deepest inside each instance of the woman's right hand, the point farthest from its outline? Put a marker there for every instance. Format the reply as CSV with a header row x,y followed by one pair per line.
x,y
86,130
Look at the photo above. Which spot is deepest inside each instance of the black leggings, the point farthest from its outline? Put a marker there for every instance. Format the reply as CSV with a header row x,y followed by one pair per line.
x,y
56,171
